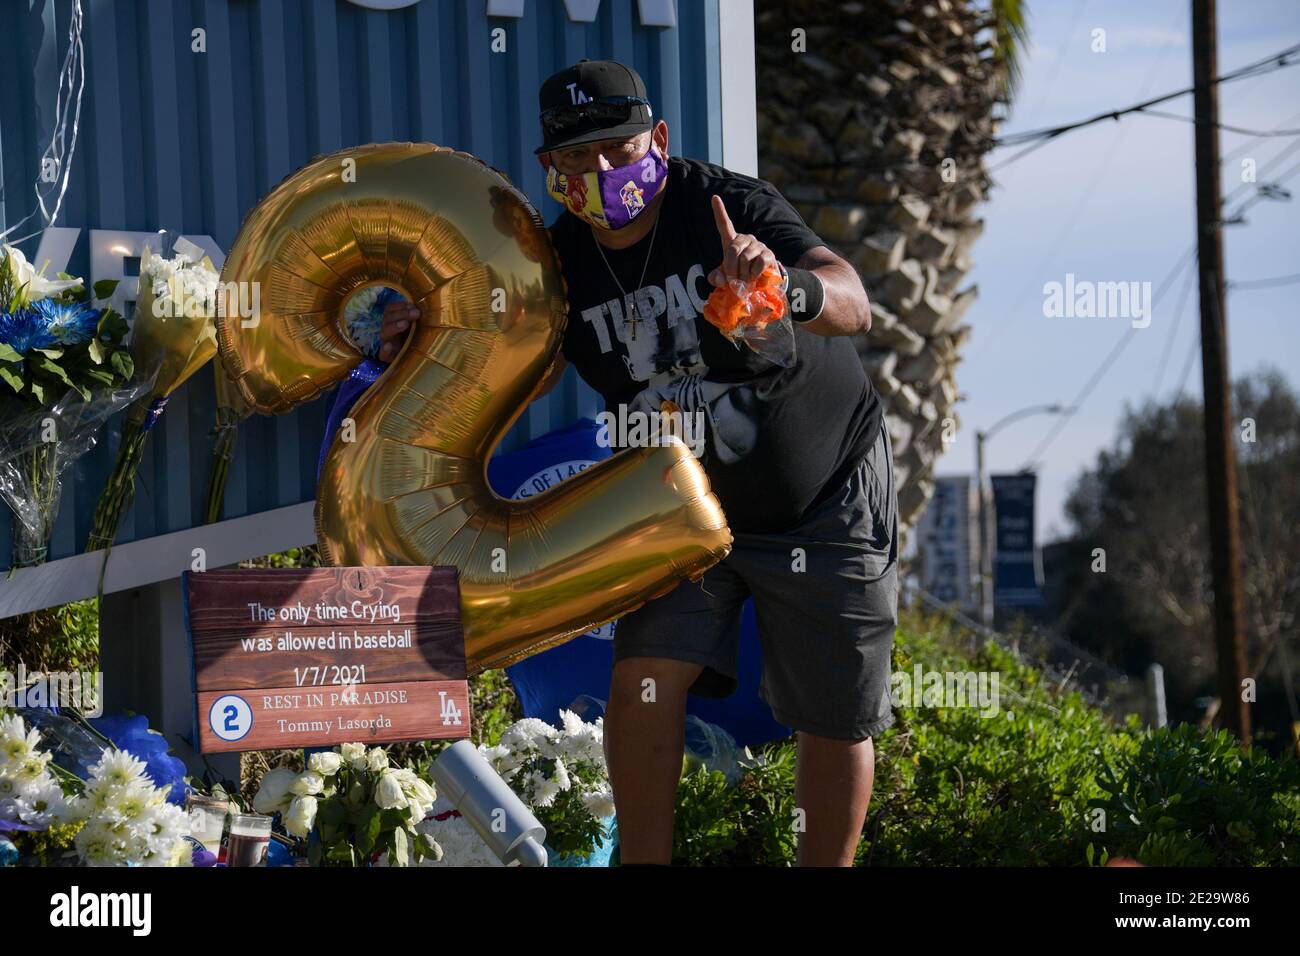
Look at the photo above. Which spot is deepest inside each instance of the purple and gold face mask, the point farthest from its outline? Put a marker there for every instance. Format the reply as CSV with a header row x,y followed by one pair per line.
x,y
610,198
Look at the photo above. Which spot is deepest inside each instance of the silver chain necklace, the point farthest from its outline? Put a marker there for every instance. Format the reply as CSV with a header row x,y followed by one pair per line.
x,y
630,322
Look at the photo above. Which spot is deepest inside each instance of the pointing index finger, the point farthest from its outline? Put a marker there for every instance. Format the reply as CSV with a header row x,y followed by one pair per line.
x,y
723,221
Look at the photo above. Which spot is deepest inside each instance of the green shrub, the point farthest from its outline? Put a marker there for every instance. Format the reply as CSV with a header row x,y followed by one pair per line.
x,y
1026,786
1188,798
63,638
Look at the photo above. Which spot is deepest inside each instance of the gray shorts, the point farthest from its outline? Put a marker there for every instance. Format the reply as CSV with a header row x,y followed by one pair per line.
x,y
826,613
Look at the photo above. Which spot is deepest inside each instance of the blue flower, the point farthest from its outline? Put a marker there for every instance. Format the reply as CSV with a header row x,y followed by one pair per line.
x,y
25,330
132,734
70,323
365,313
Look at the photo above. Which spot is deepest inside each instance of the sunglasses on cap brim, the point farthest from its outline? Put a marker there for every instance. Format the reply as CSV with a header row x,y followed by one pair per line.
x,y
598,113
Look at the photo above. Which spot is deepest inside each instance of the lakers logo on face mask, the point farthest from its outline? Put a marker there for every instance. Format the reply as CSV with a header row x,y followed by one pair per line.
x,y
631,197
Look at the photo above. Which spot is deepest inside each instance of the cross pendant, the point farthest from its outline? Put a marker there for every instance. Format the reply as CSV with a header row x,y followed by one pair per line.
x,y
631,320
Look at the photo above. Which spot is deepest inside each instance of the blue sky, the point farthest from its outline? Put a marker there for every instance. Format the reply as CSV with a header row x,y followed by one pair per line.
x,y
1116,202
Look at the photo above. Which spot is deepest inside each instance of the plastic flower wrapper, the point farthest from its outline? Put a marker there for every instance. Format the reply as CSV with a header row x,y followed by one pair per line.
x,y
757,313
64,369
173,335
36,448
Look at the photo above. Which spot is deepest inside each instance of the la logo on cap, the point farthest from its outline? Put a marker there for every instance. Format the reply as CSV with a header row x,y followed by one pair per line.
x,y
576,95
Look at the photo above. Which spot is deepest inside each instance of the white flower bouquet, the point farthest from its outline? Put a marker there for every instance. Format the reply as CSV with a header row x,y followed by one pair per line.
x,y
63,370
560,774
118,817
173,335
361,805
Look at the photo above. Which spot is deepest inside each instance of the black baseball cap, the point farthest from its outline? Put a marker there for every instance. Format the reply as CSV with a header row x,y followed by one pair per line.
x,y
608,89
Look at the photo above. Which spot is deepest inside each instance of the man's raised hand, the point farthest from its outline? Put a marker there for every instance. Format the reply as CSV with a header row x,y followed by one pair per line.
x,y
743,256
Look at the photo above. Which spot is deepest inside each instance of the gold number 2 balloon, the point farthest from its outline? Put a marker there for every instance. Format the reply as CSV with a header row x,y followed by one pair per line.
x,y
454,236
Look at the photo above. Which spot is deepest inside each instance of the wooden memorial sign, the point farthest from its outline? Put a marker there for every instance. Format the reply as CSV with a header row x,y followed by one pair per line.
x,y
311,658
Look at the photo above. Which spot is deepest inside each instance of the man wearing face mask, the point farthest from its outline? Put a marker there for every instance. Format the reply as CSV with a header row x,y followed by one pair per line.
x,y
797,455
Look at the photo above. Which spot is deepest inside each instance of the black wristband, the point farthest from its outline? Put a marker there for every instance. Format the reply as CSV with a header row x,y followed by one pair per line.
x,y
807,305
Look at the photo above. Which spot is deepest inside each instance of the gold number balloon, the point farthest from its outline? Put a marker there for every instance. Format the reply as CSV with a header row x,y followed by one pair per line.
x,y
454,236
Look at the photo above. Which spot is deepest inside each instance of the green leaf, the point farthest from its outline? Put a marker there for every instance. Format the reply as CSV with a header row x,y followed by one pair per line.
x,y
368,829
95,351
54,369
51,353
12,378
37,391
105,288
122,363
7,354
112,326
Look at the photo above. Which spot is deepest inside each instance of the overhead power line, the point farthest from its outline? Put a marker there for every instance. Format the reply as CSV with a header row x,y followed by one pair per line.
x,y
1263,283
1223,126
1277,61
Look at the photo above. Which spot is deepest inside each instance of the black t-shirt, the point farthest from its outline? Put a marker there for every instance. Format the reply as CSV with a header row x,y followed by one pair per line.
x,y
811,423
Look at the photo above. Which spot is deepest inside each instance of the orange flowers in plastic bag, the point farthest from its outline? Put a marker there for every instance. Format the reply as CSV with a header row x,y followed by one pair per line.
x,y
739,305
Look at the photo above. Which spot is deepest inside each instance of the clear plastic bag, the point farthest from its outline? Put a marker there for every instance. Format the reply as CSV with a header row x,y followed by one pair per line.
x,y
37,446
755,313
711,747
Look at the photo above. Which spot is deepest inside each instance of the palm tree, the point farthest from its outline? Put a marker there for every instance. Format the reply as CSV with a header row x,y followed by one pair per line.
x,y
874,117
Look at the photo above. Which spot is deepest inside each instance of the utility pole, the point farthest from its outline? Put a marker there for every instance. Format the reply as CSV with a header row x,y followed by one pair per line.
x,y
1220,456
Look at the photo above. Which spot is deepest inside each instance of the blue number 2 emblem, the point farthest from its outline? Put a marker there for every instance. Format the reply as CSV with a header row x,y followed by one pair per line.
x,y
230,717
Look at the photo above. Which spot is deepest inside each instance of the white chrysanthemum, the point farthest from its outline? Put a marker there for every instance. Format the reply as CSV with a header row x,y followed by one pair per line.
x,y
133,803
573,724
12,788
17,743
530,730
97,797
561,775
43,805
159,833
545,790
95,847
34,769
118,768
599,803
